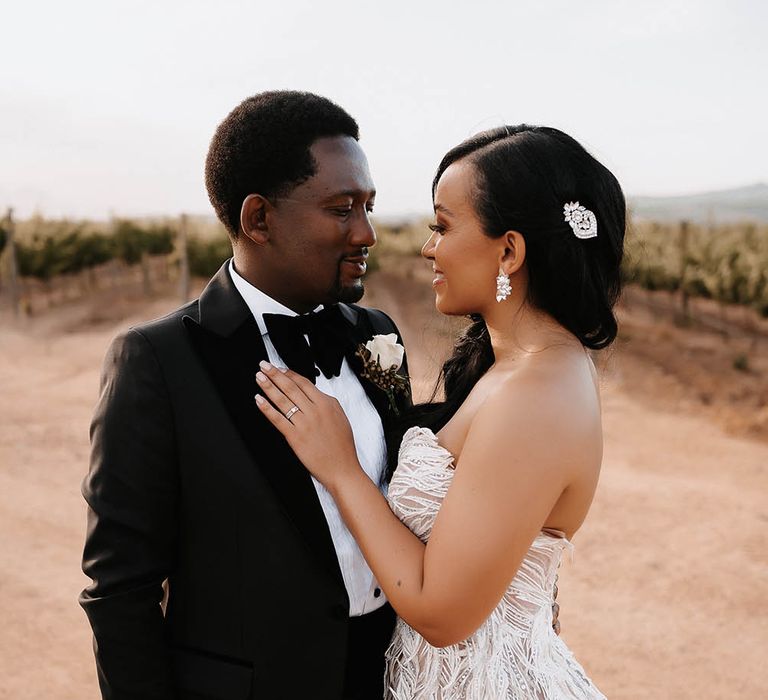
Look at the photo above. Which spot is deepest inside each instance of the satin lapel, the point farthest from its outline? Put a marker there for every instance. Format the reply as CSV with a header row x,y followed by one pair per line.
x,y
230,345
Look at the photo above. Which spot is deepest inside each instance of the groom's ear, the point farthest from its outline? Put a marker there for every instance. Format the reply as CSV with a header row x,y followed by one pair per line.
x,y
253,218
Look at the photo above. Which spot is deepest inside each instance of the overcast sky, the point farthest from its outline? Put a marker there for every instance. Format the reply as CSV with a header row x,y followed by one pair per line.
x,y
108,107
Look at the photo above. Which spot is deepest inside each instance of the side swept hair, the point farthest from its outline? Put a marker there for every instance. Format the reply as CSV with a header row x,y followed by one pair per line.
x,y
524,176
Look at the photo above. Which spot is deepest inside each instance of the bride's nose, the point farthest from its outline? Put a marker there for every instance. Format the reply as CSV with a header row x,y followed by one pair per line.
x,y
428,249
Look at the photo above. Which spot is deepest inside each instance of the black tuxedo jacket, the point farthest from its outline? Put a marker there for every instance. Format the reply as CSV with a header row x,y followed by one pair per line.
x,y
193,493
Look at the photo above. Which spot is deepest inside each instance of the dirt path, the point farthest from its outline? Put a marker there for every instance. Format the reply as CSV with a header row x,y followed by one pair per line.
x,y
664,599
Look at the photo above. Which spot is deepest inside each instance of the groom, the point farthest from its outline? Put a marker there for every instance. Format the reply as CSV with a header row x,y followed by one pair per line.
x,y
220,569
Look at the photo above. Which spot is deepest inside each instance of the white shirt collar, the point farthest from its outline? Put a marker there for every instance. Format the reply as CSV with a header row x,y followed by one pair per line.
x,y
257,301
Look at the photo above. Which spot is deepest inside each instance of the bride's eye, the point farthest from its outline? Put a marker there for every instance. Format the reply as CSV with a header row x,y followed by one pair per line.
x,y
436,228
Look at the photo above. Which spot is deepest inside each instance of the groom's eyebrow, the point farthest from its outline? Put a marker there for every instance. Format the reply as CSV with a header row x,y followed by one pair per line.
x,y
354,194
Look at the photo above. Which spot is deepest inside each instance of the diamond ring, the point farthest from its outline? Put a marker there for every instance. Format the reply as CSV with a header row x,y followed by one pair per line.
x,y
292,411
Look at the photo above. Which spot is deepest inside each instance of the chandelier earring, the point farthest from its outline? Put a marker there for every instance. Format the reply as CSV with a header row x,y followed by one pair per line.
x,y
503,287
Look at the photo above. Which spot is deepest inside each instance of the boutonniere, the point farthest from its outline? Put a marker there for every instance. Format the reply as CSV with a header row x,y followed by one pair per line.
x,y
382,357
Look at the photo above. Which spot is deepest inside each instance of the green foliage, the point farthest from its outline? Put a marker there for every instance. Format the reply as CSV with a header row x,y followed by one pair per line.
x,y
62,248
95,249
132,241
159,240
725,263
404,239
397,240
207,256
41,259
128,242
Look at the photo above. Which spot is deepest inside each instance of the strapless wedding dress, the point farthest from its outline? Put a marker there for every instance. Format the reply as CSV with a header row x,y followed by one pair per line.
x,y
515,653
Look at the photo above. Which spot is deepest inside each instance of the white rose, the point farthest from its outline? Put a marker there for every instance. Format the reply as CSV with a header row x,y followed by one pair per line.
x,y
386,351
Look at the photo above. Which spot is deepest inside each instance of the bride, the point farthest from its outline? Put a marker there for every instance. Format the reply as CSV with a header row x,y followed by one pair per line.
x,y
492,483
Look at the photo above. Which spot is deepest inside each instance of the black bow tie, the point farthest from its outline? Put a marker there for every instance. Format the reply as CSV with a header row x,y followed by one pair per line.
x,y
328,333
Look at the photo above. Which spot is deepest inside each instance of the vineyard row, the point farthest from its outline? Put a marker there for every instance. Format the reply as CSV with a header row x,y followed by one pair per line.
x,y
728,264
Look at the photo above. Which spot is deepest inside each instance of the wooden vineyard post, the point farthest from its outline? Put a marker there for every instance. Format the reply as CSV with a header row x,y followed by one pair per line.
x,y
13,270
183,260
684,232
146,276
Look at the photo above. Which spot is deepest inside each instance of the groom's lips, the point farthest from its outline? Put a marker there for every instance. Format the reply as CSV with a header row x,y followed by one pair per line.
x,y
355,264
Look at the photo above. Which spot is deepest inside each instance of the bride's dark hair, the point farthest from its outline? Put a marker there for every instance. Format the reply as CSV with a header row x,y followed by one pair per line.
x,y
525,175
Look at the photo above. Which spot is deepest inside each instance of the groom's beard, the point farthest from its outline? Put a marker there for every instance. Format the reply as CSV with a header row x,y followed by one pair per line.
x,y
349,294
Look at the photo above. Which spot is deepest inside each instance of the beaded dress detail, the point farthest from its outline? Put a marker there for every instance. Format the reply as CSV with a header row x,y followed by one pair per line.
x,y
515,653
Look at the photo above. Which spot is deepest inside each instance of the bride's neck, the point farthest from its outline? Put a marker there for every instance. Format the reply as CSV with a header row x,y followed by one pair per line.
x,y
521,333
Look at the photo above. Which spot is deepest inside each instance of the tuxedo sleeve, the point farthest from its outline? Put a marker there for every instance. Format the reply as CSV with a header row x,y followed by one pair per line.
x,y
131,490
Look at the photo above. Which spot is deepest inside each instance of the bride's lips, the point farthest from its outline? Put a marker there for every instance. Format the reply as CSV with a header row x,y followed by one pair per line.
x,y
439,277
355,264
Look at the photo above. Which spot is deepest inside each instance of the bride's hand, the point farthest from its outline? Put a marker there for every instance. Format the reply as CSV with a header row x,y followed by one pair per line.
x,y
318,432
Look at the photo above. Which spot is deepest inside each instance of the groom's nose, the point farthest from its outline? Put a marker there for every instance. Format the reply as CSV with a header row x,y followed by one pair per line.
x,y
362,233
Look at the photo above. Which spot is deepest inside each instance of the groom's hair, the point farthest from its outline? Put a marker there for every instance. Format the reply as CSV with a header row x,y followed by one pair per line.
x,y
262,147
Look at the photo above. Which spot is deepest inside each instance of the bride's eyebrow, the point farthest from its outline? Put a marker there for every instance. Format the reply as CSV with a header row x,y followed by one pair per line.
x,y
443,210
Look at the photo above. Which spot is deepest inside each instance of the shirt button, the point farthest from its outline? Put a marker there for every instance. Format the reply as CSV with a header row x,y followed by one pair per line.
x,y
376,592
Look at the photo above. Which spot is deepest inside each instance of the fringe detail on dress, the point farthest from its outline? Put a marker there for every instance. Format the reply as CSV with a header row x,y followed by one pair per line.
x,y
515,654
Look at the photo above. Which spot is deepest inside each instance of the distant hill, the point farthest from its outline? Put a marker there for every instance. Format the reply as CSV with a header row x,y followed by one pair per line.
x,y
740,204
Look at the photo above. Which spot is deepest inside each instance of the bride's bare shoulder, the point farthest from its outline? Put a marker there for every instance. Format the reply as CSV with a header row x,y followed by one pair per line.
x,y
552,402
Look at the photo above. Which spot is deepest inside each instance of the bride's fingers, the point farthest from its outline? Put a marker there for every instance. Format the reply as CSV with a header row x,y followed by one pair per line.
x,y
273,392
307,387
284,384
291,383
273,415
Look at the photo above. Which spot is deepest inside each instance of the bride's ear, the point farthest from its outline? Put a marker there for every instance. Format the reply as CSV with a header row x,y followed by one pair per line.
x,y
512,253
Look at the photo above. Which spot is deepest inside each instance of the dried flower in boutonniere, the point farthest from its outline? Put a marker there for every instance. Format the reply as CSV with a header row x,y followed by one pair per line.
x,y
382,356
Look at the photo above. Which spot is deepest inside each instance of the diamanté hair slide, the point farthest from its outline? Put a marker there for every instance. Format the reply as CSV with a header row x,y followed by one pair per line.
x,y
581,219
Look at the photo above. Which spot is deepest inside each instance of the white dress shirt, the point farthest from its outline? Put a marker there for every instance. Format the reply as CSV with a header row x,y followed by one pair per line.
x,y
364,592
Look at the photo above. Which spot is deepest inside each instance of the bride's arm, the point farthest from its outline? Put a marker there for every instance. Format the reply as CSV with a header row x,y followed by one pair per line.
x,y
512,473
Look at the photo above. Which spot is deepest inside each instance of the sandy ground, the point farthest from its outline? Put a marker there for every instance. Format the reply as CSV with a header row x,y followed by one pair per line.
x,y
664,599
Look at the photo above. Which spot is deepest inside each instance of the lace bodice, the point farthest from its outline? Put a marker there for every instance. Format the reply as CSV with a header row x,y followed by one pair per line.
x,y
515,653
